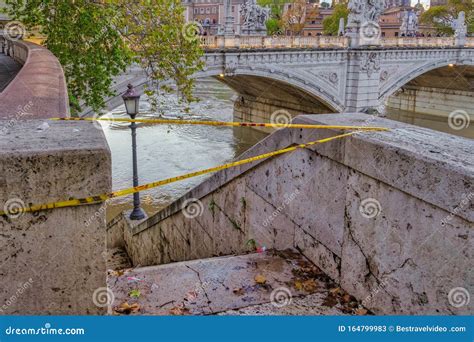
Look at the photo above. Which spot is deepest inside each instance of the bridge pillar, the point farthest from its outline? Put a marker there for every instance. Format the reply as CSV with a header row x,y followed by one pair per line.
x,y
363,77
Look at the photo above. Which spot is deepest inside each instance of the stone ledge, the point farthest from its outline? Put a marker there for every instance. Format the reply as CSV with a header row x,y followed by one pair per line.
x,y
435,167
39,89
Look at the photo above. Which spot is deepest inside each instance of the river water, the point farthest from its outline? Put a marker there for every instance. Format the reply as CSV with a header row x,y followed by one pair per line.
x,y
166,151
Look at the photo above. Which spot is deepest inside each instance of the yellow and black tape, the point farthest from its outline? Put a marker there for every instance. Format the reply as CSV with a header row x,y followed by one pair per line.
x,y
129,191
224,123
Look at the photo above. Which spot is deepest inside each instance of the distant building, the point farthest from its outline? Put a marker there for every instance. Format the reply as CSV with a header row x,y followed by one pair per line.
x,y
210,14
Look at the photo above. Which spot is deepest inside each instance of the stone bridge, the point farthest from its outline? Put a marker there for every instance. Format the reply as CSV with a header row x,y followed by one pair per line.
x,y
331,77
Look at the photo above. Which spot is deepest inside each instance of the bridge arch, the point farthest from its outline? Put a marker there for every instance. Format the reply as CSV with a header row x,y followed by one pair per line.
x,y
409,76
309,89
311,92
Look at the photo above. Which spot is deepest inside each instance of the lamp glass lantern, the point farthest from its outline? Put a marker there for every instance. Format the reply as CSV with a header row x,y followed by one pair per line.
x,y
132,101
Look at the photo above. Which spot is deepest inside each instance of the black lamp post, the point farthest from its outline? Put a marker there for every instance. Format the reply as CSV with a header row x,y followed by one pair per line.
x,y
132,103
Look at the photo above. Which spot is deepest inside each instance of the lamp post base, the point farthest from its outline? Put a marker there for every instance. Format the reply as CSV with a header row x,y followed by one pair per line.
x,y
137,214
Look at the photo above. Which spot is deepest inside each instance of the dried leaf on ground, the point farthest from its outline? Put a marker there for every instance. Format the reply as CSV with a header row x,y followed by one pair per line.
x,y
298,285
179,310
191,295
330,301
335,291
310,285
134,293
346,298
260,279
127,309
361,312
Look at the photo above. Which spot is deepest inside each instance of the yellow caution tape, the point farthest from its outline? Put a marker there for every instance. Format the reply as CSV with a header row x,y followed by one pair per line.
x,y
129,191
228,124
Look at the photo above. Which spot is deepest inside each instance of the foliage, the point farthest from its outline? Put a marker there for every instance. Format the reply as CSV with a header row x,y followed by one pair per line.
x,y
331,23
442,17
293,19
276,9
273,26
97,40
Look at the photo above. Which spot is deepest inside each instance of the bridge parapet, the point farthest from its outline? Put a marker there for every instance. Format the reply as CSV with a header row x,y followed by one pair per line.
x,y
272,42
39,83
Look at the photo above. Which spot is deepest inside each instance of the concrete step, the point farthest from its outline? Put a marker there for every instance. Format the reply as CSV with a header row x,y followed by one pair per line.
x,y
269,283
117,259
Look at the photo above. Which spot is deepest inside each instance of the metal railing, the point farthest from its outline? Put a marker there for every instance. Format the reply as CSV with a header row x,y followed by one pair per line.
x,y
275,42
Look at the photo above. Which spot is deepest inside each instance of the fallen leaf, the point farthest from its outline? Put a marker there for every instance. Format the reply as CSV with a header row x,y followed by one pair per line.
x,y
361,312
310,285
346,298
335,291
260,279
191,295
127,309
179,310
298,285
330,301
116,273
239,291
134,293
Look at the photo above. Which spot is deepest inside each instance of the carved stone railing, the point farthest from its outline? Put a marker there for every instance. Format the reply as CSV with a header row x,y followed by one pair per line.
x,y
418,42
245,42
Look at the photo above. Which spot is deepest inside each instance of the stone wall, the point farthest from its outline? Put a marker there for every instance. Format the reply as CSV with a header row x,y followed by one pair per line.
x,y
433,101
52,261
39,89
386,215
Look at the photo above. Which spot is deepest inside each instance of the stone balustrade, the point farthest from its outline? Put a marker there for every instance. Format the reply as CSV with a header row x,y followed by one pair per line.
x,y
216,42
40,82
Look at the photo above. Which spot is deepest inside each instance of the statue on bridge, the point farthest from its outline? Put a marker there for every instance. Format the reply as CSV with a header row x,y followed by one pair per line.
x,y
409,27
460,29
254,18
363,21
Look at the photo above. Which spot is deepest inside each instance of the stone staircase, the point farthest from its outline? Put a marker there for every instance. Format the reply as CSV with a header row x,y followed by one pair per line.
x,y
268,283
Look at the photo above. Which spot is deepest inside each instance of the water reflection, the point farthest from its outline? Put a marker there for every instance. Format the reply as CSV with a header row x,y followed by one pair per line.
x,y
435,122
